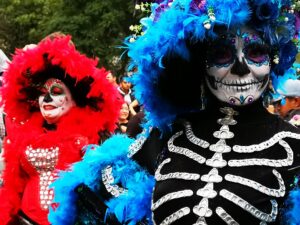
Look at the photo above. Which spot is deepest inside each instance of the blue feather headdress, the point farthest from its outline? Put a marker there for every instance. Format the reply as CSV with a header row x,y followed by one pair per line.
x,y
173,25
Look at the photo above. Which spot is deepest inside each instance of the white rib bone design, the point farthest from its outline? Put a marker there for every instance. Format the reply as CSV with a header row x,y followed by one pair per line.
x,y
250,208
176,216
184,151
266,162
266,144
108,180
176,175
171,196
225,216
192,138
259,187
138,143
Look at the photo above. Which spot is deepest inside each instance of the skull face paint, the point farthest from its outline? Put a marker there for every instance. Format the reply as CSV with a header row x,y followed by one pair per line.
x,y
55,101
238,67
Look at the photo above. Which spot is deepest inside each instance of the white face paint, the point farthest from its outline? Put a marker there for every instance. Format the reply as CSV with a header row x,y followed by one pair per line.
x,y
55,101
238,67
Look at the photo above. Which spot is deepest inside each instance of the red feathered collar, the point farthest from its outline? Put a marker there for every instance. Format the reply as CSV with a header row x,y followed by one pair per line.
x,y
60,52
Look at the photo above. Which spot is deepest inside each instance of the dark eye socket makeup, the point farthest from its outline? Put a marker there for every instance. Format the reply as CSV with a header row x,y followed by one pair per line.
x,y
256,52
221,53
56,90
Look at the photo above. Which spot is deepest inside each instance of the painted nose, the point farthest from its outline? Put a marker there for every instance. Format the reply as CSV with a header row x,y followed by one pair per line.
x,y
240,68
47,98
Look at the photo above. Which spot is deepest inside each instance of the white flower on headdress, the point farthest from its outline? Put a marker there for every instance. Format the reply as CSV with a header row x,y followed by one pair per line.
x,y
132,40
295,120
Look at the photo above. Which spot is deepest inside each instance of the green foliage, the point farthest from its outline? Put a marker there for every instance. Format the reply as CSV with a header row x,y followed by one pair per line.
x,y
98,27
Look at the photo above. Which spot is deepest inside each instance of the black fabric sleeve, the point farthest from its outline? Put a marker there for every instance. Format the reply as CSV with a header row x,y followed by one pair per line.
x,y
148,155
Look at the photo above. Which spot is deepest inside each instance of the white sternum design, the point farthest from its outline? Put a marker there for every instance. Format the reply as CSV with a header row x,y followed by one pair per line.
x,y
212,178
216,162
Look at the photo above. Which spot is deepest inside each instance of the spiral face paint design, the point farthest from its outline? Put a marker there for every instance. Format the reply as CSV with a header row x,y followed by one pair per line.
x,y
55,100
238,67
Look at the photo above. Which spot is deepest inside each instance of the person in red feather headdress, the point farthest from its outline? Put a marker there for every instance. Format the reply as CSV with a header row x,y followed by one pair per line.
x,y
56,102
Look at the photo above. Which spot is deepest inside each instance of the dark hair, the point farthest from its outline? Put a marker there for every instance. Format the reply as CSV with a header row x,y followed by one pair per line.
x,y
113,73
123,77
78,89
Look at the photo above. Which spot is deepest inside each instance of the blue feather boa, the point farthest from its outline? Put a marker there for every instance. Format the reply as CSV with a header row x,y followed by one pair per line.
x,y
132,206
292,214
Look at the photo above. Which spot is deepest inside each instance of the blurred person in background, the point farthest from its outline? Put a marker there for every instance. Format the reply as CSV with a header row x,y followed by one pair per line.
x,y
288,104
125,89
111,77
134,107
123,119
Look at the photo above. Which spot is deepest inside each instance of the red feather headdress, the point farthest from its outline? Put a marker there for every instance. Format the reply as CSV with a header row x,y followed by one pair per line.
x,y
101,105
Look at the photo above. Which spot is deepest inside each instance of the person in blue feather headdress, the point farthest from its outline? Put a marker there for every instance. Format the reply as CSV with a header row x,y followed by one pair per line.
x,y
210,153
287,97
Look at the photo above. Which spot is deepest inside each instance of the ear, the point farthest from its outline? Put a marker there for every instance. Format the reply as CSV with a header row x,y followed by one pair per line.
x,y
297,101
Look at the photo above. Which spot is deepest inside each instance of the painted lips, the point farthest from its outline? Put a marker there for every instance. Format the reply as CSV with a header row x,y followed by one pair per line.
x,y
49,107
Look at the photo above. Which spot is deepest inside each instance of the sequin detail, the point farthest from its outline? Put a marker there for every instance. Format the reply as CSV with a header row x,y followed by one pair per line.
x,y
171,196
44,161
250,208
266,162
200,221
176,175
220,147
216,162
212,177
137,144
192,138
223,133
207,192
266,144
225,216
259,187
108,180
176,216
202,209
184,151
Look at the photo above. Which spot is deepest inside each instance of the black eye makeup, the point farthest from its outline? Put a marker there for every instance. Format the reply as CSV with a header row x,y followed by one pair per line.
x,y
221,53
257,53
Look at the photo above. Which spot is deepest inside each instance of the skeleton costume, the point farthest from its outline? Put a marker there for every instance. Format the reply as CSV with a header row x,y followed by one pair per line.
x,y
56,102
213,155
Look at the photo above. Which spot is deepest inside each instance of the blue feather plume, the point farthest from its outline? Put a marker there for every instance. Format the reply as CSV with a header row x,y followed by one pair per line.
x,y
88,171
